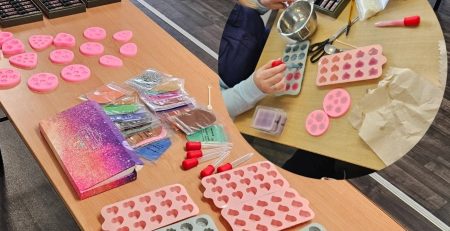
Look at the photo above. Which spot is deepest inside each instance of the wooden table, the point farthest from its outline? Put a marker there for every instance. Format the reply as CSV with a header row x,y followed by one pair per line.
x,y
337,204
414,48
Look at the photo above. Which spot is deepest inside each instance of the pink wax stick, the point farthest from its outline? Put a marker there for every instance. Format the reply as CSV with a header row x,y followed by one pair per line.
x,y
407,21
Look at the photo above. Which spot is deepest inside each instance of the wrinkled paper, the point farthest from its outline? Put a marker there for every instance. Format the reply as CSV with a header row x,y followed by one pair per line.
x,y
393,117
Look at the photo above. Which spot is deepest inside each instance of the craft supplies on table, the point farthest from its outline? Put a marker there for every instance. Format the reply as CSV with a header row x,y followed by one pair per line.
x,y
193,120
9,78
198,223
27,60
13,13
213,133
55,9
331,8
235,163
150,211
40,42
193,162
197,145
354,65
270,120
410,21
295,59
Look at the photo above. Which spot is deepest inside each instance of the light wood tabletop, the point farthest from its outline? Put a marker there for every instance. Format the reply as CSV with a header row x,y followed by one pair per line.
x,y
337,205
414,48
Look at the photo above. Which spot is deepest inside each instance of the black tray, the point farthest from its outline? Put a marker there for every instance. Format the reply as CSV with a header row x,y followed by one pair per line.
x,y
332,8
17,12
94,3
60,8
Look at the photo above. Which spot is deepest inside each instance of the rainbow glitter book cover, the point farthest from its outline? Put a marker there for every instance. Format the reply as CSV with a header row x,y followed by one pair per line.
x,y
90,149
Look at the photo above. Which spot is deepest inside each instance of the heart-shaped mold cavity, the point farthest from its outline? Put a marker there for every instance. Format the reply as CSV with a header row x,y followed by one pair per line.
x,y
28,60
245,181
146,199
373,71
346,76
269,213
188,207
125,228
265,186
161,194
252,169
335,59
61,56
135,214
359,74
123,36
289,194
211,180
233,212
251,190
238,194
156,219
167,203
347,56
323,70
373,61
261,203
283,208
226,176
151,208
297,75
239,222
43,82
276,223
64,40
334,68
223,198
304,213
128,49
289,76
217,189
322,79
118,219
176,189
112,209
260,227
75,73
259,177
359,64
272,173
373,51
95,33
239,172
129,204
290,218
275,199
247,208
296,203
324,61
231,185
254,217
333,77
182,198
91,48
172,212
347,66
360,54
294,86
186,226
40,42
13,47
5,36
288,86
202,222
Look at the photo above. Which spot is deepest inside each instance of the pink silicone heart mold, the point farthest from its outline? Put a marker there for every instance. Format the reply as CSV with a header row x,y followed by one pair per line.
x,y
40,42
61,56
91,48
95,33
110,61
25,60
123,36
43,82
13,47
64,40
9,78
5,36
337,102
317,123
129,49
75,73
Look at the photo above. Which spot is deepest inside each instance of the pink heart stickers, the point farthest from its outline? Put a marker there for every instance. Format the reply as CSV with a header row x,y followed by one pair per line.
x,y
5,36
95,33
128,49
75,73
91,48
110,61
123,36
26,60
40,42
64,40
61,56
43,82
9,78
13,47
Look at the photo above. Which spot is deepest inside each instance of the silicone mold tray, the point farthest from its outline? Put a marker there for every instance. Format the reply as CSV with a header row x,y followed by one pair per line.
x,y
197,223
13,13
54,9
270,120
244,183
150,211
313,227
295,58
276,211
94,3
354,65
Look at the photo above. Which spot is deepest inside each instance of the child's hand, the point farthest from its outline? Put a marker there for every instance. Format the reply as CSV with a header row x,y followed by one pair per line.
x,y
276,4
270,79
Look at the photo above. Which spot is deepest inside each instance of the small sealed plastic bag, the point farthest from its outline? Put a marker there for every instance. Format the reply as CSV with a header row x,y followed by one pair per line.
x,y
193,120
108,93
369,8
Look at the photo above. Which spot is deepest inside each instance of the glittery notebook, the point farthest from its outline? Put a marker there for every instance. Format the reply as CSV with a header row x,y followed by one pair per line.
x,y
90,149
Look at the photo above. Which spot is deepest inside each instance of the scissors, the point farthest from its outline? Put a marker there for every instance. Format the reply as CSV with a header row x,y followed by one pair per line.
x,y
317,49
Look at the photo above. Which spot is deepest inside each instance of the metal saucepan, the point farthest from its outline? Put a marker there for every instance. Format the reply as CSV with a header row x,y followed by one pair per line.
x,y
298,21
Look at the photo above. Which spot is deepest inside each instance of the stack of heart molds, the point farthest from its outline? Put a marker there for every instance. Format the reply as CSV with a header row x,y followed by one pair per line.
x,y
354,65
197,223
150,211
276,211
295,59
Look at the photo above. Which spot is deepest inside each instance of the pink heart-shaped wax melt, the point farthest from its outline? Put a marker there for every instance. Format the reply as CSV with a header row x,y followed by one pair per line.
x,y
75,73
43,82
5,36
110,61
336,102
40,42
129,49
9,78
61,56
64,40
26,60
123,36
317,123
91,48
95,33
13,47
